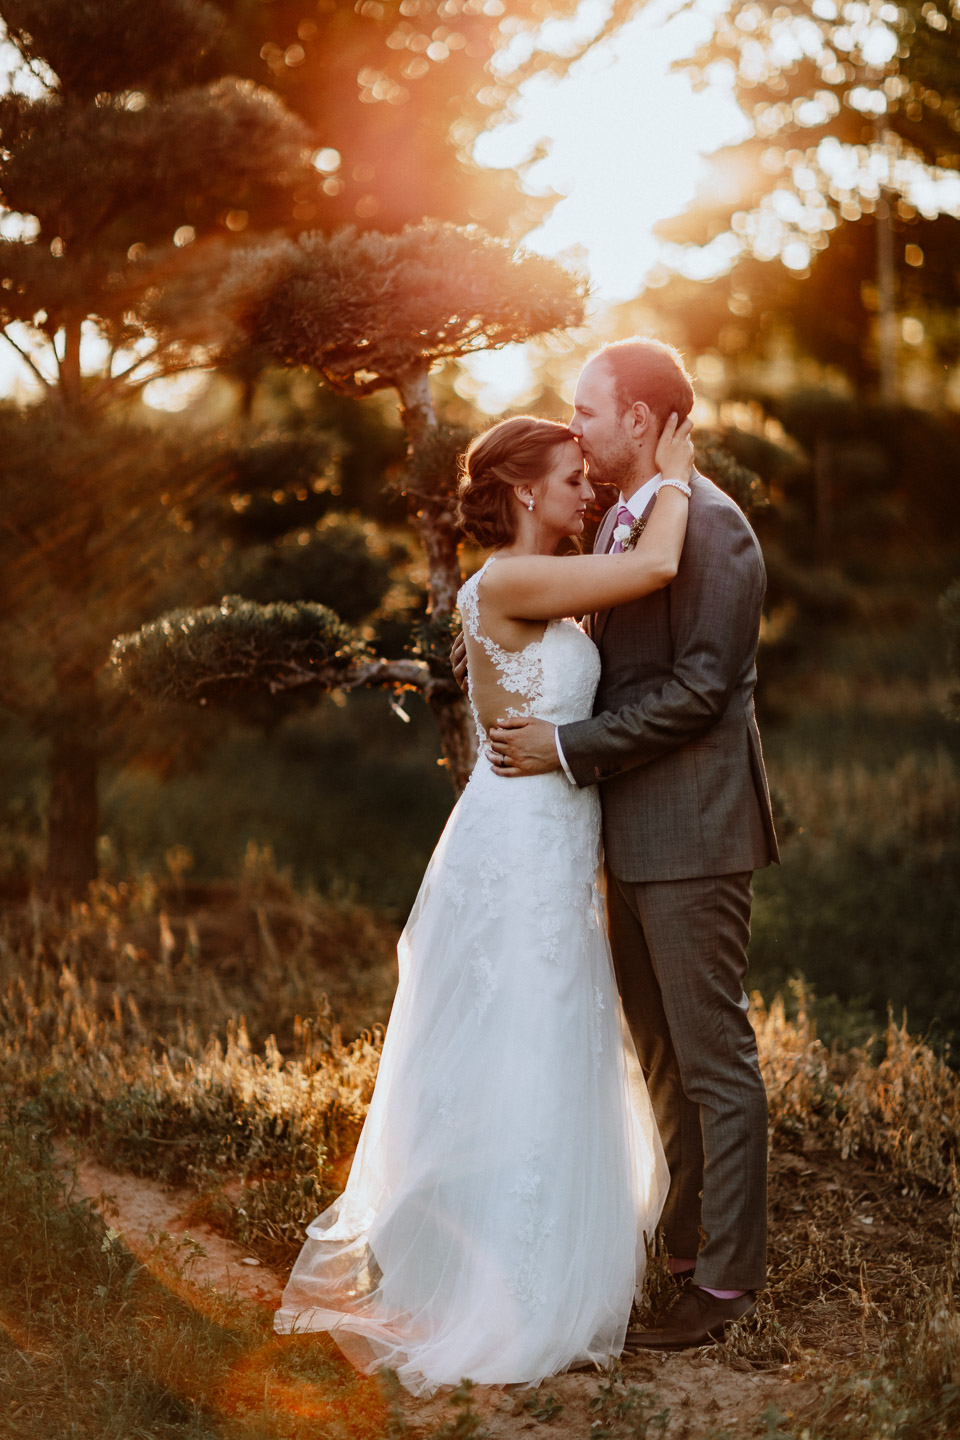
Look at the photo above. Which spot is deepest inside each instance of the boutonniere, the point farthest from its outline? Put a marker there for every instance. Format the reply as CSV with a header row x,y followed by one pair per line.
x,y
629,535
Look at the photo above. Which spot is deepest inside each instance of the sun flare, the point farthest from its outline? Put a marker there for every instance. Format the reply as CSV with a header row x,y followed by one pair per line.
x,y
626,139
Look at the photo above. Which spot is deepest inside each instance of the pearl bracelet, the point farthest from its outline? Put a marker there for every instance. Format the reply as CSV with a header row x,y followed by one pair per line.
x,y
677,485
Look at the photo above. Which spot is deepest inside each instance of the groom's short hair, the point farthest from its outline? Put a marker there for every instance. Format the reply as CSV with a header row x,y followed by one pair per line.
x,y
649,370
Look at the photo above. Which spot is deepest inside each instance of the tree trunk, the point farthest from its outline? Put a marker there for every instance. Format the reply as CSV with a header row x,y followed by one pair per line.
x,y
73,812
887,337
438,536
823,496
71,379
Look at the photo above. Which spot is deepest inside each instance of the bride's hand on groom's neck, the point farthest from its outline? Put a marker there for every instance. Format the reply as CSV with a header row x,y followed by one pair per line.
x,y
674,457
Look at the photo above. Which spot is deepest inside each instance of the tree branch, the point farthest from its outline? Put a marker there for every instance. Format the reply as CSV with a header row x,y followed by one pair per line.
x,y
408,674
27,360
109,384
352,386
403,674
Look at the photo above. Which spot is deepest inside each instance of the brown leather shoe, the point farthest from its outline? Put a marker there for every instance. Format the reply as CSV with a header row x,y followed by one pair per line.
x,y
695,1318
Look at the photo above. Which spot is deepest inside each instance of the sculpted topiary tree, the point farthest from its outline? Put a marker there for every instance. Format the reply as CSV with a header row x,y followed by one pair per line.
x,y
367,312
120,171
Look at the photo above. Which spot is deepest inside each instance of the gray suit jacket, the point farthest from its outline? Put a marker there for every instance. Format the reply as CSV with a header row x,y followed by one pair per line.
x,y
673,737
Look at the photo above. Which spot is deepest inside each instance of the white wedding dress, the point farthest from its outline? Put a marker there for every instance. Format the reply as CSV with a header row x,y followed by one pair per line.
x,y
509,1169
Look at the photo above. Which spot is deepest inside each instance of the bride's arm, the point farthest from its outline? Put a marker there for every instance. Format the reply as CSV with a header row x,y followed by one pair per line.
x,y
547,587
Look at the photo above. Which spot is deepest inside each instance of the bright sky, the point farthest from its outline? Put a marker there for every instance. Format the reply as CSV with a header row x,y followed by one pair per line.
x,y
627,144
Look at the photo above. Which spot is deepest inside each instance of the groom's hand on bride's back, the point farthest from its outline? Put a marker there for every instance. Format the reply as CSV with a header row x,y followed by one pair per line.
x,y
519,746
458,663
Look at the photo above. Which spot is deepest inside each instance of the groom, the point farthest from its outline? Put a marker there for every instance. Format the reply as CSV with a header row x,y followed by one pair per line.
x,y
674,747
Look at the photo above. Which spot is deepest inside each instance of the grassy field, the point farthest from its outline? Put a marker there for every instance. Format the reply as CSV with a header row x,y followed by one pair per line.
x,y
174,1032
349,800
866,772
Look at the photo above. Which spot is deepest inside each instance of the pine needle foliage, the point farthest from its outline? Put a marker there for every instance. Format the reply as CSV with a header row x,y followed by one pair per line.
x,y
714,458
239,653
125,154
368,310
846,109
337,564
219,653
434,468
120,161
95,48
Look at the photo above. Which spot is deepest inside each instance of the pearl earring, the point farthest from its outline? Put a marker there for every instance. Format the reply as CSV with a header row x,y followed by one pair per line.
x,y
530,506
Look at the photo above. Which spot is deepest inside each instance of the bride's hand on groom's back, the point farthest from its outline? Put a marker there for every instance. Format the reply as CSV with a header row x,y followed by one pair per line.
x,y
458,663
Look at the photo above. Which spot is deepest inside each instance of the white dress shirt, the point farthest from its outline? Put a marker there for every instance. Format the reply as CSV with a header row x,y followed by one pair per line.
x,y
637,503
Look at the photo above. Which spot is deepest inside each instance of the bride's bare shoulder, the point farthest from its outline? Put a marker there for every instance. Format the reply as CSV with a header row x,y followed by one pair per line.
x,y
512,571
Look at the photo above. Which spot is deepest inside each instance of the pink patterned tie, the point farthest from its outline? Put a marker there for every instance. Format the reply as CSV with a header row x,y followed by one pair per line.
x,y
624,517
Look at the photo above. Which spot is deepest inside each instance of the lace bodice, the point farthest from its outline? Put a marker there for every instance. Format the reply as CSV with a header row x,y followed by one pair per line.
x,y
555,677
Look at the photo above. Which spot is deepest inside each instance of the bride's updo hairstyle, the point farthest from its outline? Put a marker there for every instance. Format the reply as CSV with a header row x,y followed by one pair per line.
x,y
518,451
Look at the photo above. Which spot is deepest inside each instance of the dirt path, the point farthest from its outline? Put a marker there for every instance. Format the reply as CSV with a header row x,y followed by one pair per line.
x,y
703,1395
703,1391
140,1210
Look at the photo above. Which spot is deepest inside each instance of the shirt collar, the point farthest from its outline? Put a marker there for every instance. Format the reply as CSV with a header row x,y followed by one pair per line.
x,y
641,498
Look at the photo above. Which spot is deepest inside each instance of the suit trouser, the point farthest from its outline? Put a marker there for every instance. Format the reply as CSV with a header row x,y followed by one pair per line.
x,y
679,950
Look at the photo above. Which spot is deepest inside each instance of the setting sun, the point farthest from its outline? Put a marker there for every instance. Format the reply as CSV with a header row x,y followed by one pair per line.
x,y
625,141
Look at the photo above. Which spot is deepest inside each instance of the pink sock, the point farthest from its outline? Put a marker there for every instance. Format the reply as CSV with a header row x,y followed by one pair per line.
x,y
680,1267
722,1294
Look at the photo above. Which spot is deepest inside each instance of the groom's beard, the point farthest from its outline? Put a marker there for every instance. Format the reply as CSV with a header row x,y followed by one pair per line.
x,y
616,472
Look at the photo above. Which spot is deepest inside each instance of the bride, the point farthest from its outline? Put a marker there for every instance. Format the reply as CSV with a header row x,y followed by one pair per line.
x,y
509,1173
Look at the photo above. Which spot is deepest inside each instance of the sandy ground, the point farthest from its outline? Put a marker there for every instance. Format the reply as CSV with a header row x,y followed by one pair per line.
x,y
141,1209
705,1397
707,1392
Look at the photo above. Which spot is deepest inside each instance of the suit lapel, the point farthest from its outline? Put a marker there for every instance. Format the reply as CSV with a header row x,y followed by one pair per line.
x,y
604,535
600,547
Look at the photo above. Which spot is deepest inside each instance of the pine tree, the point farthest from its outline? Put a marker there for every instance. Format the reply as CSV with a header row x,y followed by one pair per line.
x,y
143,144
846,110
367,312
120,172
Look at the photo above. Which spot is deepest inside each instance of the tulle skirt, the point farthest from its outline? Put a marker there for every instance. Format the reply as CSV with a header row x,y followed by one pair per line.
x,y
509,1170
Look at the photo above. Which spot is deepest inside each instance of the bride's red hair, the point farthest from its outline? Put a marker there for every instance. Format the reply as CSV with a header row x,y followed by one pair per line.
x,y
514,452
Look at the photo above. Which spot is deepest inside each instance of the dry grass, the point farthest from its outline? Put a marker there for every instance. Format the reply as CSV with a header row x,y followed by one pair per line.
x,y
865,1231
912,805
823,691
96,1344
191,955
127,1021
865,902
109,1038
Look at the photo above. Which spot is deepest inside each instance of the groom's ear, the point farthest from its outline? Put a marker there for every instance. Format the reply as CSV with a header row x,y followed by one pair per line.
x,y
641,419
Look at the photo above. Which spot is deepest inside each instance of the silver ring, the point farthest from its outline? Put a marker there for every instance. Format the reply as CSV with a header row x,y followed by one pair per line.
x,y
503,761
